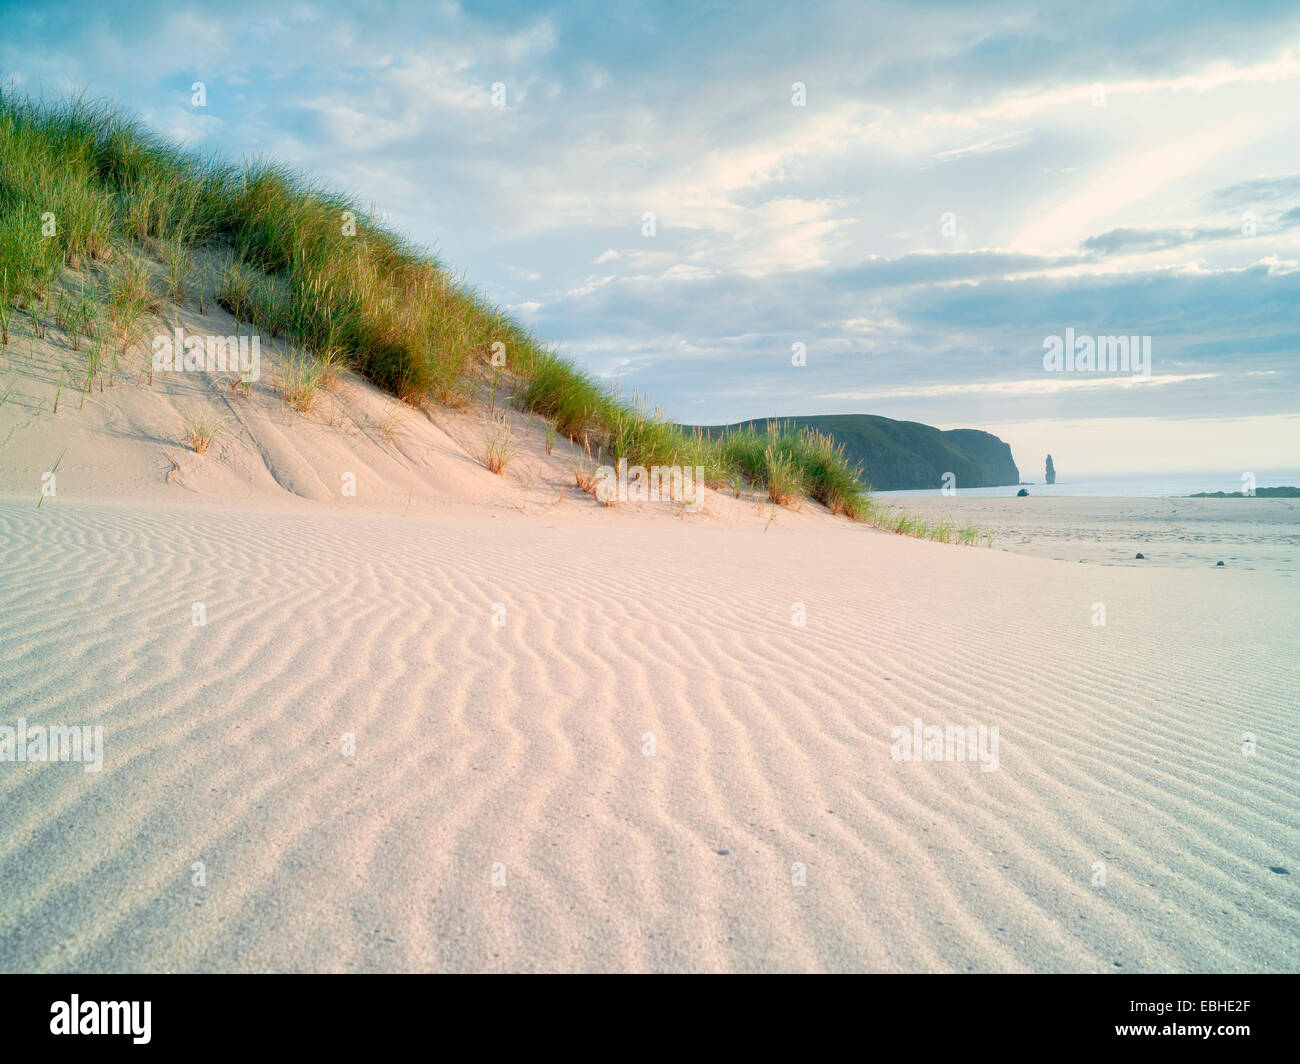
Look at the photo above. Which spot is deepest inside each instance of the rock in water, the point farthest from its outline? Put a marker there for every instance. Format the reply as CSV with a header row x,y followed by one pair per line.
x,y
1141,555
1219,566
1022,493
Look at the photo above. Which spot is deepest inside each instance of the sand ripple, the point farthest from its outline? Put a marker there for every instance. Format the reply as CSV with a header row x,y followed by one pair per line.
x,y
521,748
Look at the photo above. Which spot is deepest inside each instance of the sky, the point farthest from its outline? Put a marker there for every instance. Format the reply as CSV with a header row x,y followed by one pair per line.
x,y
909,200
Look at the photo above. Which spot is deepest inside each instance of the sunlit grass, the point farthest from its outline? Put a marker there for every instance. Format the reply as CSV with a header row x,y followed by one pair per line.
x,y
500,444
200,430
299,382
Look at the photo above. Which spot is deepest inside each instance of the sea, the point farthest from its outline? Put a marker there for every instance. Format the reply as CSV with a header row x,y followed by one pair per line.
x,y
1120,485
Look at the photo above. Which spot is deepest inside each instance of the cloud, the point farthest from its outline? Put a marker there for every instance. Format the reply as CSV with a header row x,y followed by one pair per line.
x,y
1254,191
1116,240
986,145
821,224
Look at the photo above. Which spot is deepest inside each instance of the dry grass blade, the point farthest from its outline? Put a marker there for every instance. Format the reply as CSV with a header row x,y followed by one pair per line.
x,y
391,424
200,430
500,444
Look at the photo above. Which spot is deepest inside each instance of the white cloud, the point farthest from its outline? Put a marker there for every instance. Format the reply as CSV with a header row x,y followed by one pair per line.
x,y
1046,385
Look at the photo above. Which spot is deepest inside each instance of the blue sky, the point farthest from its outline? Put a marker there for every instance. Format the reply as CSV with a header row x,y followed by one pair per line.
x,y
1112,168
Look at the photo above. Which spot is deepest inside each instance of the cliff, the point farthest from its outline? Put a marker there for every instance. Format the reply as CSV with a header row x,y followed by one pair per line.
x,y
894,455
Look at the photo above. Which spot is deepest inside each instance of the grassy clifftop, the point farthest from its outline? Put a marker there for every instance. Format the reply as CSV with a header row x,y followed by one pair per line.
x,y
906,454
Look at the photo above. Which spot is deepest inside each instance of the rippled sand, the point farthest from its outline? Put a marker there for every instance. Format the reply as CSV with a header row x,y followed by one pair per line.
x,y
503,809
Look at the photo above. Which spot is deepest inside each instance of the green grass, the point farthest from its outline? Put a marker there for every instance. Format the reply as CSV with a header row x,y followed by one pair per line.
x,y
787,462
299,382
944,530
6,308
179,260
82,185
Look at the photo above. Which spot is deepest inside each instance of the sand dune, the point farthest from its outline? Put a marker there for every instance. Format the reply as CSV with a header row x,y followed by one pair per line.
x,y
520,749
594,739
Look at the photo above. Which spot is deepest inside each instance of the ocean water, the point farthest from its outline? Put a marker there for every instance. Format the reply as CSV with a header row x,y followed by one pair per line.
x,y
1155,486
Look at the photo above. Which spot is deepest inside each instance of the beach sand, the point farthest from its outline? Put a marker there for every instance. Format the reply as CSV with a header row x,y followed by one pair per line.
x,y
520,750
459,722
1255,533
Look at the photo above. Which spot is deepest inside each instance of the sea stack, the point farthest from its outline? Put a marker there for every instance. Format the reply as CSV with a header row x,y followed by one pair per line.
x,y
1051,471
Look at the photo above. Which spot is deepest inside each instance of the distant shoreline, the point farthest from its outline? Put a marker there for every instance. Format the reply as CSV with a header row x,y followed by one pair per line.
x,y
1258,493
1175,486
1169,531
